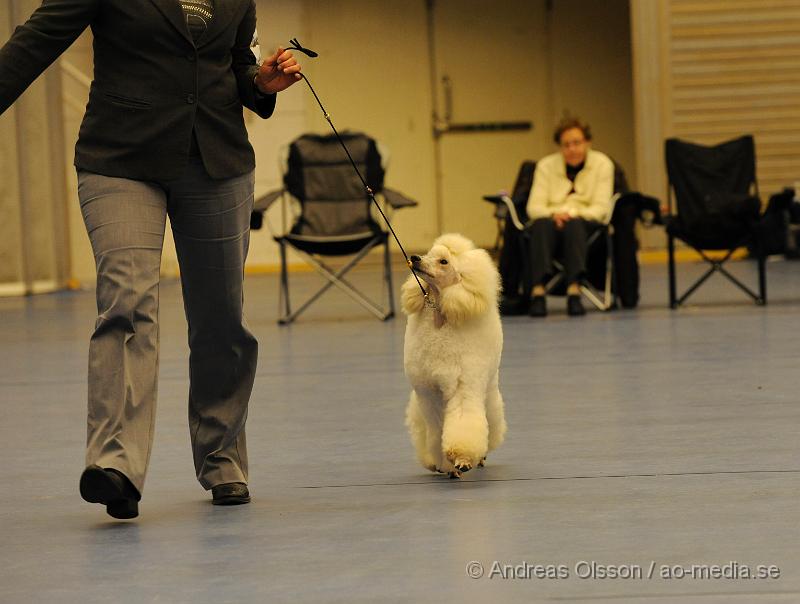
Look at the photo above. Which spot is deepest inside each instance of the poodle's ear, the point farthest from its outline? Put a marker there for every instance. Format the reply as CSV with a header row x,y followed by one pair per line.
x,y
411,298
477,291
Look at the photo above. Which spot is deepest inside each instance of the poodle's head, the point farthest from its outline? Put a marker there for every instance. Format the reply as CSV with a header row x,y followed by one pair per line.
x,y
461,278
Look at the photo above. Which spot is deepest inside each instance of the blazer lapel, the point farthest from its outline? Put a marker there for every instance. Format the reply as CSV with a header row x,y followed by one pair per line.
x,y
172,10
224,11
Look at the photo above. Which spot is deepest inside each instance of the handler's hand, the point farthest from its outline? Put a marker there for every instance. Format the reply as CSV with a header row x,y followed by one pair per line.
x,y
278,72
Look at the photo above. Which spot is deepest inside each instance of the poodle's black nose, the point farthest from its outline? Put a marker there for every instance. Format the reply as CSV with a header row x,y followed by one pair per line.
x,y
415,259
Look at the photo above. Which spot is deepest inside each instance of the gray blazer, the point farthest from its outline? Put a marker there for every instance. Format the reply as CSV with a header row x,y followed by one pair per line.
x,y
152,85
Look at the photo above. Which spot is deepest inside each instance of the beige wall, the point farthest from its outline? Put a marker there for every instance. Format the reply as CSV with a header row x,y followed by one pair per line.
x,y
711,71
496,64
523,60
33,249
373,75
76,95
10,225
591,73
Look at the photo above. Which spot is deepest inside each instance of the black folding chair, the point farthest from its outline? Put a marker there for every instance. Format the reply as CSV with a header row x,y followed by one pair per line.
x,y
511,216
335,217
715,193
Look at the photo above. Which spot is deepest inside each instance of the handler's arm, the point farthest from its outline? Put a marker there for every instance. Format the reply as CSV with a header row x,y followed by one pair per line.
x,y
38,42
245,67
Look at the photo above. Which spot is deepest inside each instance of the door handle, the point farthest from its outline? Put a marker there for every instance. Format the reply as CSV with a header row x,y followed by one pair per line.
x,y
447,85
446,125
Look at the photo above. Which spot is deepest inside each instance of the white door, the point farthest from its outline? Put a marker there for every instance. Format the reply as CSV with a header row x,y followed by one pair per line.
x,y
490,79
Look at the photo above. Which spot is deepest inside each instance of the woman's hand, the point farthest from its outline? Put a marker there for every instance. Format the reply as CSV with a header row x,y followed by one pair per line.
x,y
278,72
561,219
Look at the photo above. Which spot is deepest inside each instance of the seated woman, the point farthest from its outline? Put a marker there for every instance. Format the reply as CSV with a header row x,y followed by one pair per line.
x,y
569,200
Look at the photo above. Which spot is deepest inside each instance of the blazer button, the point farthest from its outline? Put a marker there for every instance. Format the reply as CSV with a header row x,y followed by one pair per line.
x,y
190,57
190,99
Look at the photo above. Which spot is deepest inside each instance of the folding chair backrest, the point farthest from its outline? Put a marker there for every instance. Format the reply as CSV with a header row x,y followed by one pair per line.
x,y
620,180
706,180
522,188
333,200
520,193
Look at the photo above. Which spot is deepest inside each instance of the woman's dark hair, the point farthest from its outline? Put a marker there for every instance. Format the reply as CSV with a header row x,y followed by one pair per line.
x,y
568,123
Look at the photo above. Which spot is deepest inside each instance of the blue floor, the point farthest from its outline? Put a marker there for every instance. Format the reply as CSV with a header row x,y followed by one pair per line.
x,y
641,439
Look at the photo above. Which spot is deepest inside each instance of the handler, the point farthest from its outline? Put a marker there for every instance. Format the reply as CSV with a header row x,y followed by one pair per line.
x,y
163,135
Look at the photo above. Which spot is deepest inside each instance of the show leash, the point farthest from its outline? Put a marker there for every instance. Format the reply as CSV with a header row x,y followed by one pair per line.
x,y
295,45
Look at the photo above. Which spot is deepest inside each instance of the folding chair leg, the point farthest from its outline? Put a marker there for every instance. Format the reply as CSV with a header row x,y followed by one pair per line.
x,y
762,275
614,287
671,266
714,267
608,293
590,295
387,275
337,280
611,273
718,266
526,268
284,313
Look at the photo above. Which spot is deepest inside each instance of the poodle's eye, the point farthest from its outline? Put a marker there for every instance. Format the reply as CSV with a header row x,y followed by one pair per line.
x,y
442,261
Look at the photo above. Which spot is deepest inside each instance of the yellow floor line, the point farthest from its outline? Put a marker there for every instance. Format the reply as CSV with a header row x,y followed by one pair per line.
x,y
271,269
645,257
686,255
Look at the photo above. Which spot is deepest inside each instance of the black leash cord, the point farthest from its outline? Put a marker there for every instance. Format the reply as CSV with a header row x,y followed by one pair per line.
x,y
295,45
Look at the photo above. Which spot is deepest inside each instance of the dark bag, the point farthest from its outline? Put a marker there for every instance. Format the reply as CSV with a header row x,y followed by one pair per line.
x,y
773,228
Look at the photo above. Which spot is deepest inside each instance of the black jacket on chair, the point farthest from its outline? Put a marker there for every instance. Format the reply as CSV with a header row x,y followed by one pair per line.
x,y
152,85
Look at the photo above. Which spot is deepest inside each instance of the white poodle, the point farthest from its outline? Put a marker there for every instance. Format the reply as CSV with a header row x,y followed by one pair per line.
x,y
452,354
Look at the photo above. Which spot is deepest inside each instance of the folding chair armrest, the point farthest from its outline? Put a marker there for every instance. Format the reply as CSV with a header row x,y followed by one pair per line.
x,y
397,200
647,208
512,212
263,203
612,203
652,205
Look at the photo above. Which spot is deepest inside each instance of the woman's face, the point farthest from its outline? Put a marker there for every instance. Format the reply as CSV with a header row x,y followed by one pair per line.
x,y
574,146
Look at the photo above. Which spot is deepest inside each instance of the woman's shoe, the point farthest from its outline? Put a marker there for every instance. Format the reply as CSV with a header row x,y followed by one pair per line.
x,y
111,488
575,306
538,306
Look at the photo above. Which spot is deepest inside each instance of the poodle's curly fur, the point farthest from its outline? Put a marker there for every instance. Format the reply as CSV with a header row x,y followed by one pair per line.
x,y
452,353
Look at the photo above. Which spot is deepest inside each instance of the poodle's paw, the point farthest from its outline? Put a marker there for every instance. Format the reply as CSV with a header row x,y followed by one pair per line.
x,y
432,467
460,460
463,464
454,474
482,462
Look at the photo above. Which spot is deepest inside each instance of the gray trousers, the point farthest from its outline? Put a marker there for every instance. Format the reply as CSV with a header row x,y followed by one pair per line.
x,y
545,241
125,220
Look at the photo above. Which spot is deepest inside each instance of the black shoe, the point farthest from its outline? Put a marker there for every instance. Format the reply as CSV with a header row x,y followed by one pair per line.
x,y
538,306
575,306
230,493
512,307
111,488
